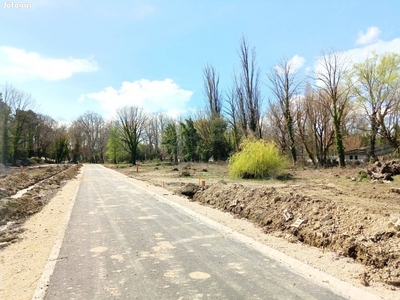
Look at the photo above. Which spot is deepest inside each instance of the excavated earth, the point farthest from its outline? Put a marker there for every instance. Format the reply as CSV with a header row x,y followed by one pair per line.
x,y
354,212
25,192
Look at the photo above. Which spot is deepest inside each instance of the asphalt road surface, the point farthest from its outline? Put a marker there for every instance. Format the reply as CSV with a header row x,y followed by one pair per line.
x,y
124,243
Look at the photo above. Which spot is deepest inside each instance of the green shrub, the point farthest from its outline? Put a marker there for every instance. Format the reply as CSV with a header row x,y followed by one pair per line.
x,y
257,159
362,175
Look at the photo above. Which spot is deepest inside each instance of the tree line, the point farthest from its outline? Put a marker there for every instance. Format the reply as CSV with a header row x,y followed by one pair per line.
x,y
343,105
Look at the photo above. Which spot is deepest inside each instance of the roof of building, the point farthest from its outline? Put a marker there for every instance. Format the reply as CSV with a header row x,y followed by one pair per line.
x,y
364,150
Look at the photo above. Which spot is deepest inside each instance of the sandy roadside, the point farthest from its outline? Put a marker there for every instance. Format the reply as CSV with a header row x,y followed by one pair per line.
x,y
22,263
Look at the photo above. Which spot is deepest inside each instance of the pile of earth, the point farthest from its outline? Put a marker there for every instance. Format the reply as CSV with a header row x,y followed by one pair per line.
x,y
43,186
369,237
383,170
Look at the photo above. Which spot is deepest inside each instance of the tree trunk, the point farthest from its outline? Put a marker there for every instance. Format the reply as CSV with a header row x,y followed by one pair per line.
x,y
339,141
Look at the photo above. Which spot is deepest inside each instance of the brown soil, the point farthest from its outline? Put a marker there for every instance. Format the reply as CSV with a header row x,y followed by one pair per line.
x,y
43,182
332,209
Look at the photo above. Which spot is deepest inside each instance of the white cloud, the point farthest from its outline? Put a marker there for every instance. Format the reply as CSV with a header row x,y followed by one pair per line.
x,y
153,96
19,64
370,36
380,47
295,64
357,55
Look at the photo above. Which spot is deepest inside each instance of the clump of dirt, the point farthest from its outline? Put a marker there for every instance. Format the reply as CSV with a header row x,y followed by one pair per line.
x,y
371,239
189,190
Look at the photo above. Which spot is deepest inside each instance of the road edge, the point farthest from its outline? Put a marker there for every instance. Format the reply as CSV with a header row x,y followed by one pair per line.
x,y
48,270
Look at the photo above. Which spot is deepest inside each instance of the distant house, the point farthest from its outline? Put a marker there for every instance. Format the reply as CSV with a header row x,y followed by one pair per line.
x,y
361,154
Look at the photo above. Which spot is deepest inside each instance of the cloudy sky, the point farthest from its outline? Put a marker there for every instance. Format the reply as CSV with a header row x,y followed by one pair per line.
x,y
75,56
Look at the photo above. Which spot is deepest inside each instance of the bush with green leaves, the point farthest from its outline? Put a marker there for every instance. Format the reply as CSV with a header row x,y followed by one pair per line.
x,y
362,175
257,159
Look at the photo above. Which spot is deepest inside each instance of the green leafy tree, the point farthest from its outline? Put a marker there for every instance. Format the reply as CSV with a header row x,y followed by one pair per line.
x,y
5,112
60,147
220,147
115,152
170,141
190,140
203,127
14,105
376,82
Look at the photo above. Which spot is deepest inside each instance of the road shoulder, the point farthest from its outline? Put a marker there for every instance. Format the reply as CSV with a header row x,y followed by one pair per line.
x,y
23,263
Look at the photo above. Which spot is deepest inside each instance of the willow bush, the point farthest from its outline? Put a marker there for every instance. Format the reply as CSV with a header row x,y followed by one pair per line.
x,y
257,159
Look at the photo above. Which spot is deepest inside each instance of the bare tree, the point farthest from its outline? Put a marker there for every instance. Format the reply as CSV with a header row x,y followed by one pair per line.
x,y
211,90
131,124
92,128
246,87
275,126
284,85
315,126
232,113
330,77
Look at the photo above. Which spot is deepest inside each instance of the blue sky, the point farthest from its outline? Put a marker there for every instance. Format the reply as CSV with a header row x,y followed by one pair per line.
x,y
73,56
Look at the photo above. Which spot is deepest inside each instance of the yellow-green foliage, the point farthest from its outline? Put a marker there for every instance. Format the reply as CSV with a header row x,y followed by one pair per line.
x,y
257,159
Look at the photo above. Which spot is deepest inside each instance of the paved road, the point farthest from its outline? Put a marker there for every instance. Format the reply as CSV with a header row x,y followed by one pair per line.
x,y
123,243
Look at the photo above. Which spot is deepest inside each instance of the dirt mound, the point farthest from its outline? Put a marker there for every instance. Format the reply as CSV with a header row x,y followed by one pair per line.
x,y
189,190
14,211
384,170
33,200
373,240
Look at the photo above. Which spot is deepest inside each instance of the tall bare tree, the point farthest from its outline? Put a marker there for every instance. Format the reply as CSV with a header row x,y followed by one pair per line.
x,y
131,123
211,91
247,87
285,86
330,76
